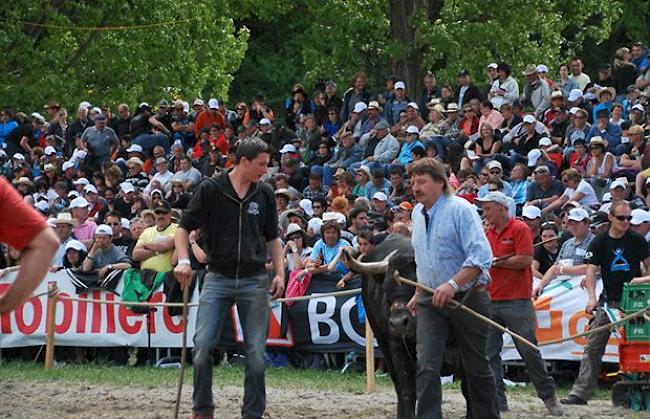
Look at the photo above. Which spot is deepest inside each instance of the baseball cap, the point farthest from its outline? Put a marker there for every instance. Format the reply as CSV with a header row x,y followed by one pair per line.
x,y
400,85
531,212
529,119
405,205
638,107
574,110
42,206
463,72
265,121
492,66
413,105
75,245
533,156
134,160
541,68
81,181
104,229
380,196
135,148
293,228
494,164
618,183
67,165
578,214
574,95
38,117
90,189
127,187
639,216
412,129
288,148
49,150
162,206
79,203
306,206
18,156
497,197
156,191
198,101
545,141
213,103
359,107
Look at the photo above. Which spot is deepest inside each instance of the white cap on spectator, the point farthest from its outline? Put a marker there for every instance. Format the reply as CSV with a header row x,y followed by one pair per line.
x,y
413,105
541,68
531,212
533,156
42,206
400,85
135,148
198,101
574,95
574,110
578,214
81,181
127,187
73,194
96,110
306,206
79,203
492,66
336,216
157,191
49,150
292,228
545,142
494,164
104,229
125,223
380,196
359,107
265,121
618,183
639,216
288,148
38,116
85,105
638,107
90,189
557,94
412,129
18,156
144,105
607,197
213,103
67,165
529,119
75,245
494,196
80,154
314,224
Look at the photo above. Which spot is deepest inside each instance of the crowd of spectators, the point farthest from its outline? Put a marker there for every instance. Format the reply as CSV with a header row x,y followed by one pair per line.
x,y
552,139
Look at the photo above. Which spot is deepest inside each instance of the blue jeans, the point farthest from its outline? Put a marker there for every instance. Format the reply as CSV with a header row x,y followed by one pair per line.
x,y
149,141
217,297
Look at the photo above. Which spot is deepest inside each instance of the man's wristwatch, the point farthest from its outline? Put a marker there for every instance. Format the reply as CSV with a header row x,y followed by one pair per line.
x,y
453,284
184,262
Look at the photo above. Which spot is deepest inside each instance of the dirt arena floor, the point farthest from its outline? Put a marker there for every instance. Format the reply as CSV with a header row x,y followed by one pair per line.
x,y
43,399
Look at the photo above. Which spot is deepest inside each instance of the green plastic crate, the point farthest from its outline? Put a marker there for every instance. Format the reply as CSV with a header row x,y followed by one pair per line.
x,y
637,330
635,297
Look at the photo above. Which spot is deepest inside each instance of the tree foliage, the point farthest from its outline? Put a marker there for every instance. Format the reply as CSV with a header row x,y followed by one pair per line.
x,y
200,51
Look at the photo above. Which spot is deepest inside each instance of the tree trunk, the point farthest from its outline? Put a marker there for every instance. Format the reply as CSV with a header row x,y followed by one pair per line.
x,y
408,66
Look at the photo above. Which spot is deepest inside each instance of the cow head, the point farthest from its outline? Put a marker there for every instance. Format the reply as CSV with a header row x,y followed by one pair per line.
x,y
394,254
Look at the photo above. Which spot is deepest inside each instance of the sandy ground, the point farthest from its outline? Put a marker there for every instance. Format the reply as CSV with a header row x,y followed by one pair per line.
x,y
61,400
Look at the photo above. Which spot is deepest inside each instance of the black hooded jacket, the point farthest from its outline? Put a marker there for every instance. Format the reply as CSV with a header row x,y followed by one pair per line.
x,y
234,231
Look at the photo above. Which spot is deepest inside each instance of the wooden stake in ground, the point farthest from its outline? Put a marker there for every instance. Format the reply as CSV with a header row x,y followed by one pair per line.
x,y
186,297
51,325
370,358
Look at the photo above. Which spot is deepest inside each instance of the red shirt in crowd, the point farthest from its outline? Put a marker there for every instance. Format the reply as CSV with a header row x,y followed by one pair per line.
x,y
19,222
511,284
205,120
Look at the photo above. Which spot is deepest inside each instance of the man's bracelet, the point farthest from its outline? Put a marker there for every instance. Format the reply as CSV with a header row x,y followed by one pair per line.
x,y
184,262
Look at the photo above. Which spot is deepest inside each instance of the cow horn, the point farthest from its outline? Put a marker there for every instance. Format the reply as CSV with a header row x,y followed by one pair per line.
x,y
332,265
371,267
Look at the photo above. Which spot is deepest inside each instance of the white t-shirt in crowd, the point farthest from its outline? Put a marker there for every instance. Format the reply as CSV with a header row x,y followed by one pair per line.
x,y
589,195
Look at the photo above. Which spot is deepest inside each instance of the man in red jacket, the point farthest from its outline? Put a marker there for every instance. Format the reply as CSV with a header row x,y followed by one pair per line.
x,y
510,291
207,118
24,229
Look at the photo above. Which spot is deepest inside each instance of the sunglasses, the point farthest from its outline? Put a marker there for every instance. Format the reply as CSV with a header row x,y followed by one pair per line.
x,y
623,217
114,224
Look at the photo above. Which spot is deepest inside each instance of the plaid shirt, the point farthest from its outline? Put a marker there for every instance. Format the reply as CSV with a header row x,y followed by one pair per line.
x,y
573,252
310,193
